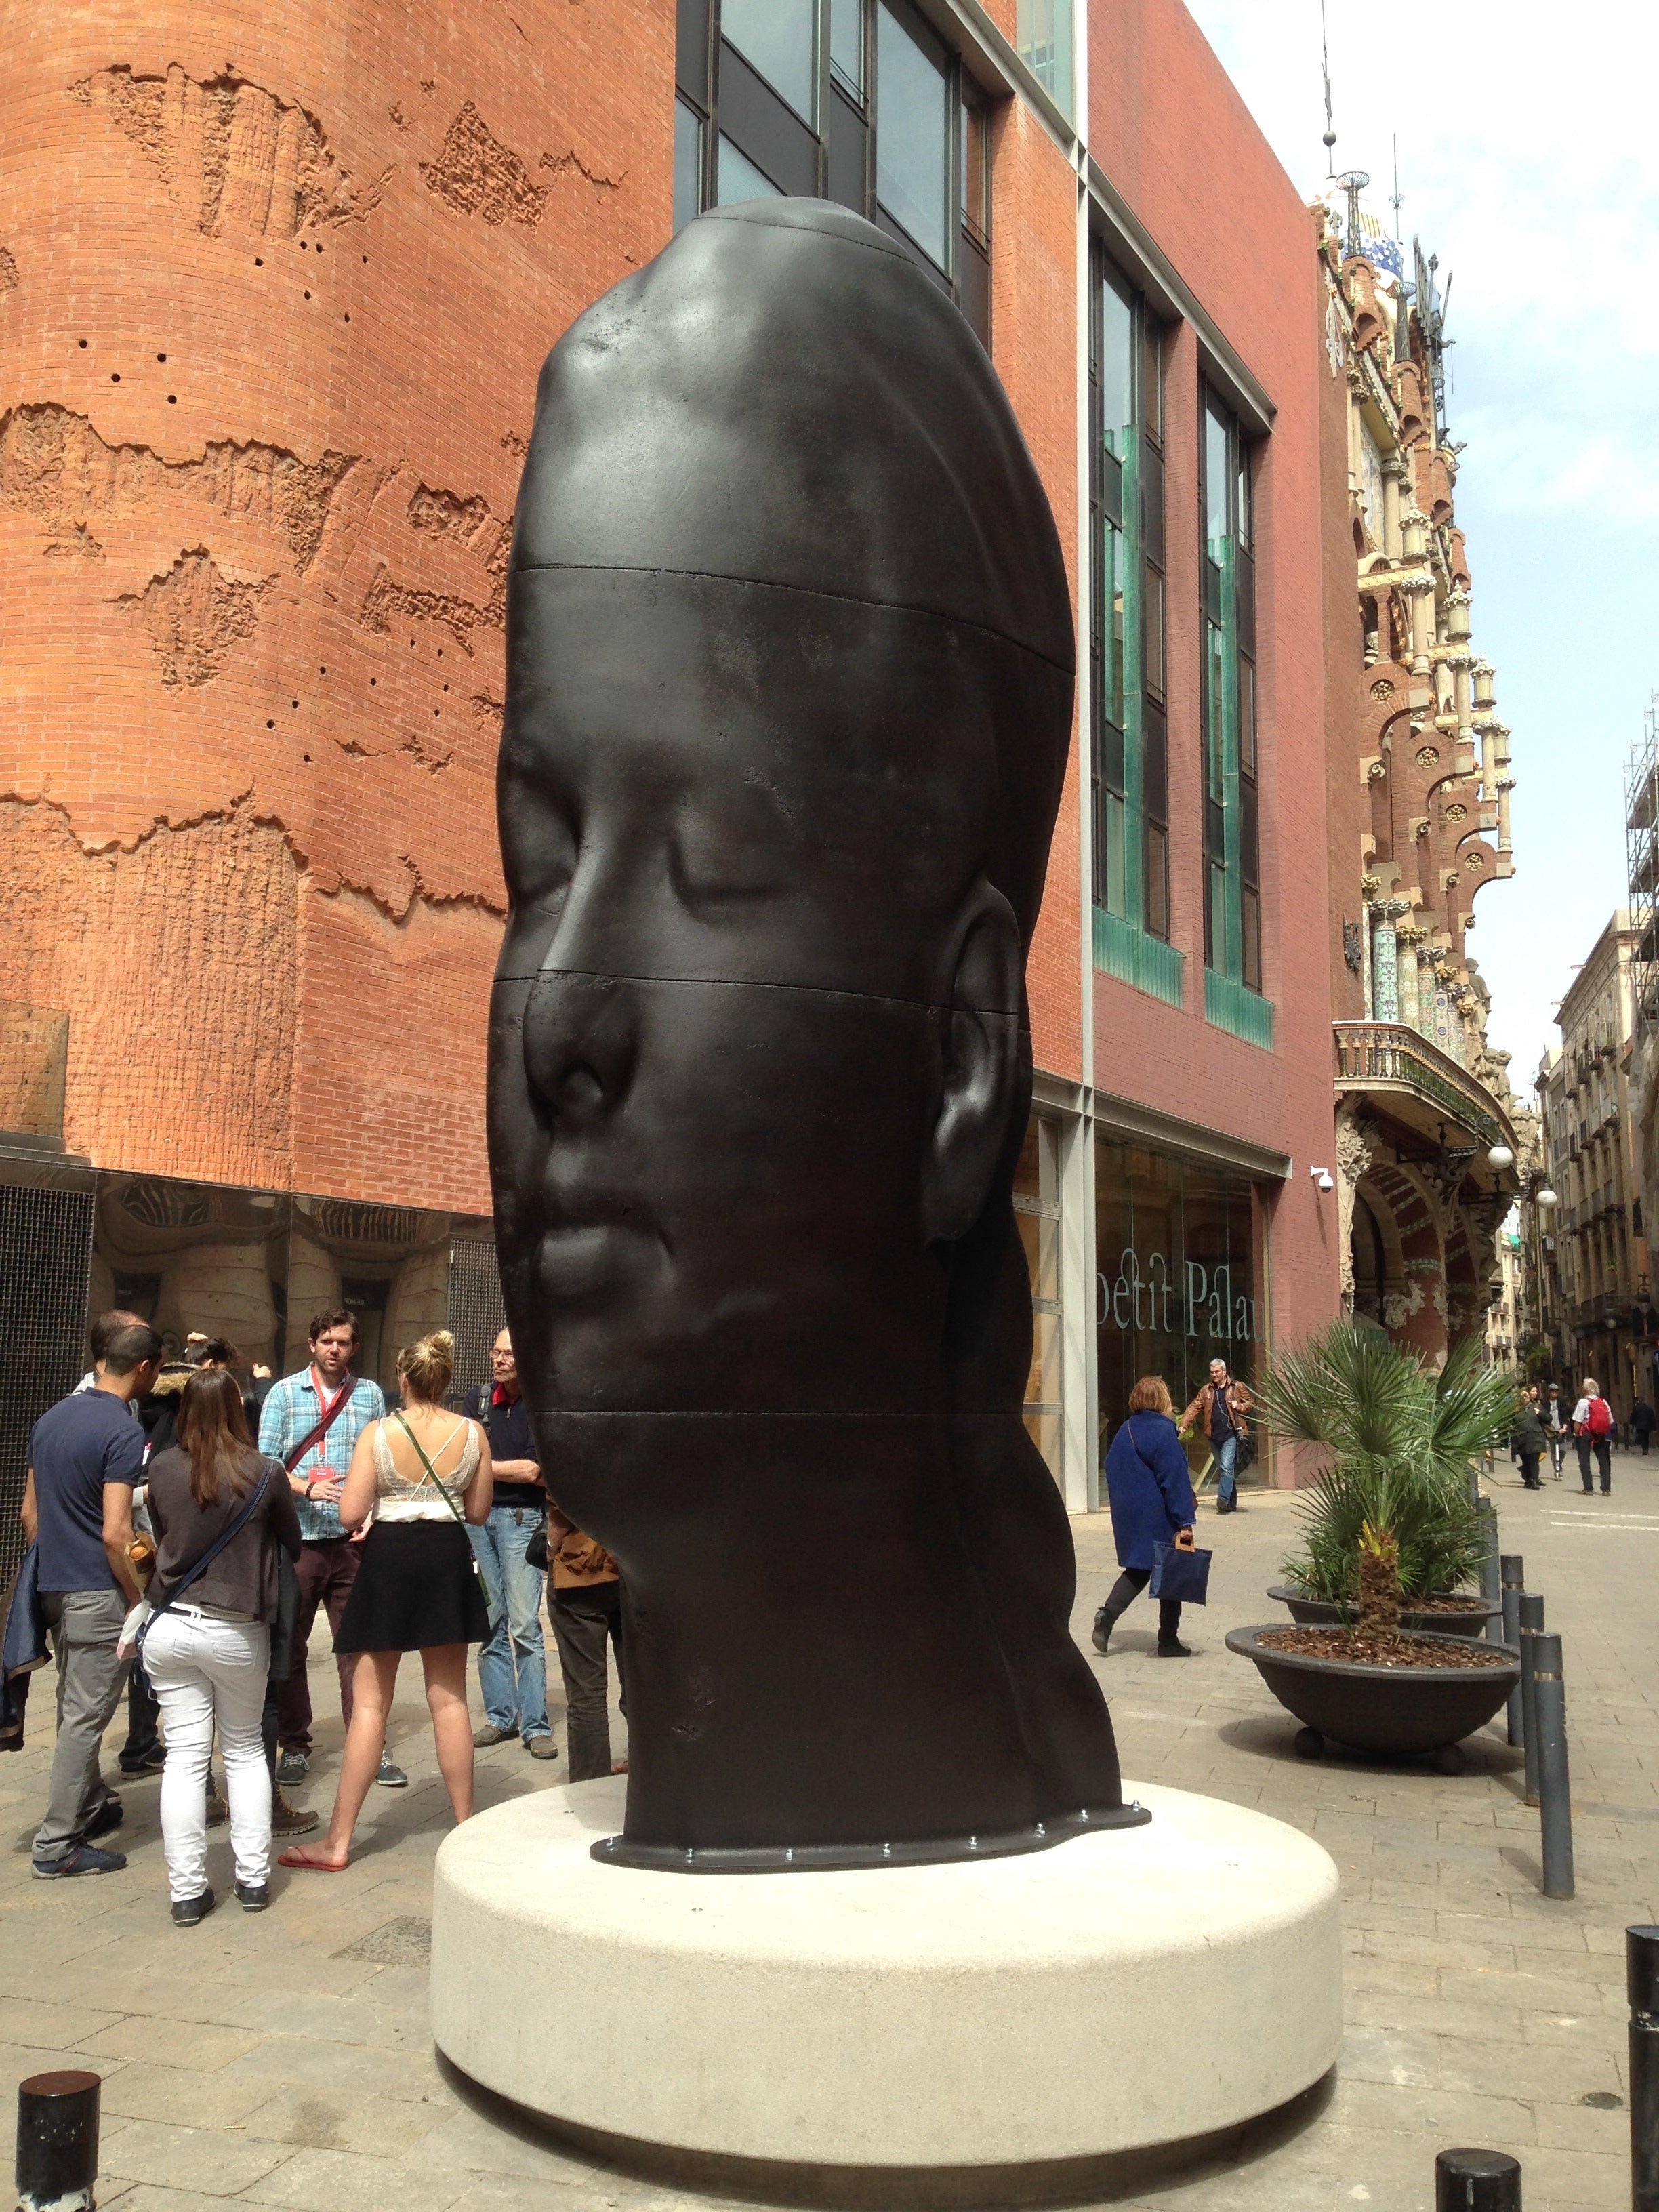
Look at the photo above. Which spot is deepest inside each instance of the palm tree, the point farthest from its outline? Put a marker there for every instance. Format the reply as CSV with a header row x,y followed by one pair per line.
x,y
1393,1516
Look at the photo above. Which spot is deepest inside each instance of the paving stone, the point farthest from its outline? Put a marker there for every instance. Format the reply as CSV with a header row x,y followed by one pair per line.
x,y
213,2161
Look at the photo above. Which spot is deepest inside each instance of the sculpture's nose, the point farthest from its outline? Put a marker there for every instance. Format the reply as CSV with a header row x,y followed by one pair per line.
x,y
580,1042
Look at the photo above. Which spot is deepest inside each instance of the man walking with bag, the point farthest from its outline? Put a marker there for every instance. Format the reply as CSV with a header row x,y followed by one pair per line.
x,y
85,1456
1592,1424
311,1421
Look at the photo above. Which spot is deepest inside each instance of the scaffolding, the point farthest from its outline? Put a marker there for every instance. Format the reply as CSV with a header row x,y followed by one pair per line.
x,y
1641,867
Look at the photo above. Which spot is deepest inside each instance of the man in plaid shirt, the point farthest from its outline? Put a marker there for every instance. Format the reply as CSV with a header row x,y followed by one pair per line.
x,y
316,1473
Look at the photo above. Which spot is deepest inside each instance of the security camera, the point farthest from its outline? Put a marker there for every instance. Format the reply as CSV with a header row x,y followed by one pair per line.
x,y
1322,1178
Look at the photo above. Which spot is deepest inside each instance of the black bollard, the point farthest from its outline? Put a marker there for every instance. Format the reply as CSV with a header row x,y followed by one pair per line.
x,y
1513,1572
58,2141
1477,2181
1555,1788
1641,1982
1530,1606
1491,1588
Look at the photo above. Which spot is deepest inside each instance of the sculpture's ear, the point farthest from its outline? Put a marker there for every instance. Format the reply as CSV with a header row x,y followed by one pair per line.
x,y
981,1066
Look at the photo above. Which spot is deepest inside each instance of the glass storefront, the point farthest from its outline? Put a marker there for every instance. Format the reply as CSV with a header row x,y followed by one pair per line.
x,y
1181,1277
1037,1216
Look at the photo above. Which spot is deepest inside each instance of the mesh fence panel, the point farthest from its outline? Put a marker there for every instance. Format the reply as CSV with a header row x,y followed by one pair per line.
x,y
46,1252
476,1316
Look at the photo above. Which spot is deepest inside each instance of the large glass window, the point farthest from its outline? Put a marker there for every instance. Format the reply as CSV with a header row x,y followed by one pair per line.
x,y
688,163
1181,1261
858,101
1037,1216
1232,861
912,135
739,178
780,37
1129,751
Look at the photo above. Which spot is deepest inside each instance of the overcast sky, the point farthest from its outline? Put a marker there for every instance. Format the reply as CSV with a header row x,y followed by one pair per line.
x,y
1529,163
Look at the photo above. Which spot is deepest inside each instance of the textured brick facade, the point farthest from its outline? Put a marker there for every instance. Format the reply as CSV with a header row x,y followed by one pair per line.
x,y
283,281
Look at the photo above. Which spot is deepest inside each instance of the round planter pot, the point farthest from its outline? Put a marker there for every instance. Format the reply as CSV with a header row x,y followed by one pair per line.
x,y
1325,1613
1386,1709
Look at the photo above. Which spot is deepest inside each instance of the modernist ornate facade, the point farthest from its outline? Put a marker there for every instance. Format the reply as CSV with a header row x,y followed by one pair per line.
x,y
1430,1142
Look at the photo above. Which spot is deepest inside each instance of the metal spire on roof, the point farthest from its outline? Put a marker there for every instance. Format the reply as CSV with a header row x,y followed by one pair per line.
x,y
1325,64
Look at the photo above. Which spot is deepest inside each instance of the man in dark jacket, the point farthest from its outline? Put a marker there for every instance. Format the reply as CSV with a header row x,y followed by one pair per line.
x,y
1529,1444
1641,1422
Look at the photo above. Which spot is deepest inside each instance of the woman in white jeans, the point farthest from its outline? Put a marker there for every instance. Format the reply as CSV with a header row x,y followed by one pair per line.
x,y
207,1650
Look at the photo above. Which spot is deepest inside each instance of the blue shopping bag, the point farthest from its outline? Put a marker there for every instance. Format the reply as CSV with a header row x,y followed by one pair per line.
x,y
1179,1576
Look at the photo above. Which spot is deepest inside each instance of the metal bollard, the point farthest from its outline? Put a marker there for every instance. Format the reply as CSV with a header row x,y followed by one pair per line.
x,y
58,2141
1554,1788
1641,1983
1513,1572
1530,1606
1477,2181
1491,1588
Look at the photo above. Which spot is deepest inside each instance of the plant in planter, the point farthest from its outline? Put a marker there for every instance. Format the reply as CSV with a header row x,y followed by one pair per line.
x,y
1391,1530
1402,1440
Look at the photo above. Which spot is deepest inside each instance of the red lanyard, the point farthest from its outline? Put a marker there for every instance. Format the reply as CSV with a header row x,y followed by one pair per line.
x,y
325,1406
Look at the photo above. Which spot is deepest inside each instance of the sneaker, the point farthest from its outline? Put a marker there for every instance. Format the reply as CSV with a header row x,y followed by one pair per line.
x,y
391,1777
293,1766
217,1811
541,1747
148,1762
83,1860
1174,1651
110,1814
1101,1638
253,1896
287,1820
190,1911
490,1734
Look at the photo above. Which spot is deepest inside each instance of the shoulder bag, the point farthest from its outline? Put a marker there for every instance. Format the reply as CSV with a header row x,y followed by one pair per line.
x,y
225,1536
1181,1573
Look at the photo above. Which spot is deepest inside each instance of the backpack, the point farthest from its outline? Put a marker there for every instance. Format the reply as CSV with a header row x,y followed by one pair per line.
x,y
1599,1418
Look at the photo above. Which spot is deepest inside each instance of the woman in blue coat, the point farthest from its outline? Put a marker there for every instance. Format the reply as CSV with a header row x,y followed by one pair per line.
x,y
1152,1497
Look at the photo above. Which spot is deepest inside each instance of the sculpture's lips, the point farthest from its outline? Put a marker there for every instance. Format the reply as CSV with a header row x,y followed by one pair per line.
x,y
577,1260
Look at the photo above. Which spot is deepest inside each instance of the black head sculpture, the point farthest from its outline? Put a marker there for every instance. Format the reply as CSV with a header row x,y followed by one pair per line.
x,y
789,690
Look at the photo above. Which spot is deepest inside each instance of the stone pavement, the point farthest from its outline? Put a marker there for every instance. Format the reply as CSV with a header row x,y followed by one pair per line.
x,y
285,2060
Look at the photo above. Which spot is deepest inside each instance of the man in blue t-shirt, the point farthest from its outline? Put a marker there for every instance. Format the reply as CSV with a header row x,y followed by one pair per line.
x,y
84,1457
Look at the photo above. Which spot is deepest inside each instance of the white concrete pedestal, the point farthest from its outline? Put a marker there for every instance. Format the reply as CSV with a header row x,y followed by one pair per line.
x,y
1117,1991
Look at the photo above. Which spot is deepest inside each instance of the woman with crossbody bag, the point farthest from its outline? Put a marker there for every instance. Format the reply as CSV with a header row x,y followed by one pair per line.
x,y
221,1513
424,1475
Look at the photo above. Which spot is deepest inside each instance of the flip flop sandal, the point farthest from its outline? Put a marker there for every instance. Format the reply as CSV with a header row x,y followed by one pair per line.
x,y
299,1858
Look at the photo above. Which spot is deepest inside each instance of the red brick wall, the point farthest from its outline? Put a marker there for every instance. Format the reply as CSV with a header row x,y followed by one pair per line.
x,y
253,658
1171,133
1034,345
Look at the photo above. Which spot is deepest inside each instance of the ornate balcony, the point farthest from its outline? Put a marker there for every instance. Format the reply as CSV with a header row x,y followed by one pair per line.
x,y
1421,1085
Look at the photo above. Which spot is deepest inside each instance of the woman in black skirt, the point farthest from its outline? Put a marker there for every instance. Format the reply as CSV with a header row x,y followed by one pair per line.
x,y
423,1473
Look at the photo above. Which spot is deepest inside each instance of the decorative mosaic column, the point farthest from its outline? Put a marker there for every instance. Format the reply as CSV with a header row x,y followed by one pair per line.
x,y
1407,939
1385,960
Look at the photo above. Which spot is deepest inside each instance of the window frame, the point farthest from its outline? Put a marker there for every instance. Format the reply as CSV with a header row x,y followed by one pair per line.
x,y
843,138
1128,651
1229,696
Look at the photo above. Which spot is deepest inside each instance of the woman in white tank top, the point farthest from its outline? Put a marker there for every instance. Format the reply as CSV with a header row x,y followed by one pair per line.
x,y
423,1475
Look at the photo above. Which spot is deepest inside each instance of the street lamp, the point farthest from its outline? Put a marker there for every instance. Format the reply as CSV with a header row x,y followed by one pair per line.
x,y
1545,1200
1500,1157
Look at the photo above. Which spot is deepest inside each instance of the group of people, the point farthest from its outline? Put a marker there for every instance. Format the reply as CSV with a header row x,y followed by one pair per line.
x,y
1150,1485
1545,1426
179,1555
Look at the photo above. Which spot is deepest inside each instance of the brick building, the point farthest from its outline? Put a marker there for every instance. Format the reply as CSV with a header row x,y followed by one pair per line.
x,y
276,289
